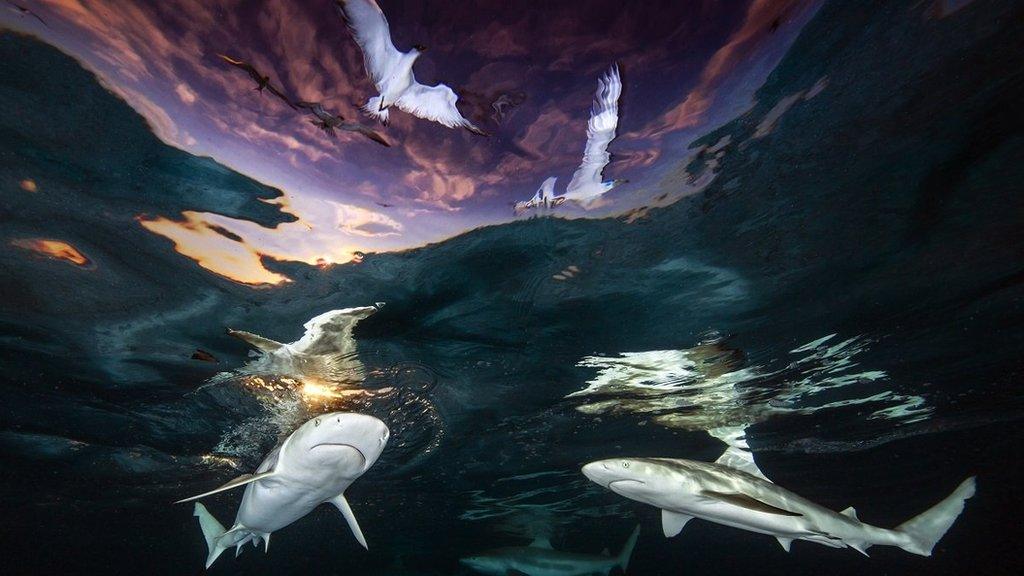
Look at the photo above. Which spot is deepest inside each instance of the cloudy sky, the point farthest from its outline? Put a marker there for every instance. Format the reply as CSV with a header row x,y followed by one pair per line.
x,y
687,66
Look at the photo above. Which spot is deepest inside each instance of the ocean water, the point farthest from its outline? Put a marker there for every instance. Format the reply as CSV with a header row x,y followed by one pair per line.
x,y
847,295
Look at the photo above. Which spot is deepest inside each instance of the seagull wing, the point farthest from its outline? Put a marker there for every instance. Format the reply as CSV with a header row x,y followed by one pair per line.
x,y
604,118
253,72
273,90
25,10
369,133
547,190
370,29
435,103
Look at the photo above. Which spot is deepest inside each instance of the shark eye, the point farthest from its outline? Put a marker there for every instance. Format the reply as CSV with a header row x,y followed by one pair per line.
x,y
316,422
625,464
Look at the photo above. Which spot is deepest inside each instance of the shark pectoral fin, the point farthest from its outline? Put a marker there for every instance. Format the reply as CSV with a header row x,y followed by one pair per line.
x,y
850,513
861,547
672,522
258,342
744,501
240,481
784,542
346,511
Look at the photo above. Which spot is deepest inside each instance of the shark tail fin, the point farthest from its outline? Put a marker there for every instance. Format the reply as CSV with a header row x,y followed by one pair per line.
x,y
925,530
212,531
627,548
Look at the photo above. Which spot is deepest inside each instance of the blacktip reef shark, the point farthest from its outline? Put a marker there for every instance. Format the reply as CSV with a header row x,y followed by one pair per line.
x,y
540,559
326,349
743,498
314,465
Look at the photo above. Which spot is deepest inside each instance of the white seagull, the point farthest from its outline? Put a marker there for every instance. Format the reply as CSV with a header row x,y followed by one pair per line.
x,y
391,71
586,186
544,197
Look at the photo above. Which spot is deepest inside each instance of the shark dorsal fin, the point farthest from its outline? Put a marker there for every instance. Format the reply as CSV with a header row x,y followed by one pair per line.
x,y
672,522
740,459
541,542
850,513
265,345
240,481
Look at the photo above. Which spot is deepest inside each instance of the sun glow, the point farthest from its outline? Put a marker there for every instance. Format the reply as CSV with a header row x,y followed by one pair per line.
x,y
324,233
311,391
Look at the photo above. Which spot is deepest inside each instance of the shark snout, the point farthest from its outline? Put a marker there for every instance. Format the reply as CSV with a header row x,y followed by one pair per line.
x,y
600,472
614,473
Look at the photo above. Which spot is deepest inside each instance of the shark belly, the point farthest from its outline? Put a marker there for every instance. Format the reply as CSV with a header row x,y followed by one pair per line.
x,y
270,505
549,566
751,520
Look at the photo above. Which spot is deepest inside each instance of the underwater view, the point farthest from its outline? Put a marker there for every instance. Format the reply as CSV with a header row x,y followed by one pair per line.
x,y
511,288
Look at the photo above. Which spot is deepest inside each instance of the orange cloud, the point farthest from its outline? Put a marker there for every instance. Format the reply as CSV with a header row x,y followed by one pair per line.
x,y
29,185
54,249
185,93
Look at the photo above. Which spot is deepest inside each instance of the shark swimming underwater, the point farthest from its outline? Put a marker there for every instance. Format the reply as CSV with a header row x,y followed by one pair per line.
x,y
539,559
314,465
745,499
326,349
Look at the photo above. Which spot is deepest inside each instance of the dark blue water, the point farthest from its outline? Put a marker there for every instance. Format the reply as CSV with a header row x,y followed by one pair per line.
x,y
848,290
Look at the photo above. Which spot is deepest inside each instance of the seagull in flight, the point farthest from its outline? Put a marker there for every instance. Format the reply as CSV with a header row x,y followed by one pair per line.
x,y
22,10
261,80
328,122
391,71
586,186
543,198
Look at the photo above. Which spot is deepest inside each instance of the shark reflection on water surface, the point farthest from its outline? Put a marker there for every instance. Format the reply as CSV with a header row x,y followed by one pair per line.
x,y
711,387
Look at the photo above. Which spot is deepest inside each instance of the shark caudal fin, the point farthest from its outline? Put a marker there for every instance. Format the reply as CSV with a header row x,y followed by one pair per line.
x,y
627,548
212,531
925,529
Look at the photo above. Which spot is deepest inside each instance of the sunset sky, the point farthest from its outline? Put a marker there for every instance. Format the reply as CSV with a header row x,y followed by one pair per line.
x,y
687,67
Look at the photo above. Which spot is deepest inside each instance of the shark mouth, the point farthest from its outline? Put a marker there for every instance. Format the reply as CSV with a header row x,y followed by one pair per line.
x,y
341,445
614,485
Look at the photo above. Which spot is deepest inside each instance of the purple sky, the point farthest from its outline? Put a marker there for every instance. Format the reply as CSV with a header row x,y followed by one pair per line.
x,y
687,66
